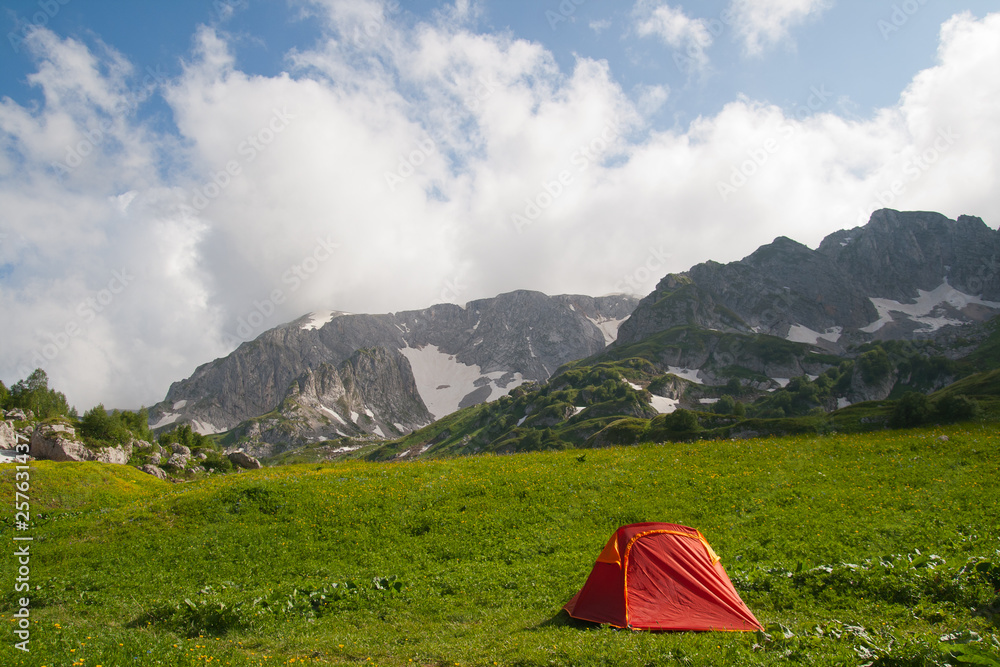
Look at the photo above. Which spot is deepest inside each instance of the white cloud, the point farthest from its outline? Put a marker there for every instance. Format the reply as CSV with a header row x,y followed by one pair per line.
x,y
600,25
117,269
764,23
689,37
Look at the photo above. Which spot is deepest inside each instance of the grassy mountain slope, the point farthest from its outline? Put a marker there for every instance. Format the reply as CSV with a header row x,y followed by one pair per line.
x,y
877,549
605,400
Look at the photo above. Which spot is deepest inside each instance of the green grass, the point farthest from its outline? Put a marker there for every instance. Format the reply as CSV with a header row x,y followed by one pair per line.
x,y
851,549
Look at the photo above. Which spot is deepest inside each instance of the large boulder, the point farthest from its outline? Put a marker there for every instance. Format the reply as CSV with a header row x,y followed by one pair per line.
x,y
8,436
59,442
180,449
244,460
178,460
154,471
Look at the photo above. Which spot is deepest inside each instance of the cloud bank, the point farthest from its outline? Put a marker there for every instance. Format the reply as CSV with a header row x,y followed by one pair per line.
x,y
393,166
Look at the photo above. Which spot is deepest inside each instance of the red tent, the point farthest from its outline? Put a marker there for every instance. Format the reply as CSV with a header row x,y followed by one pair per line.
x,y
660,576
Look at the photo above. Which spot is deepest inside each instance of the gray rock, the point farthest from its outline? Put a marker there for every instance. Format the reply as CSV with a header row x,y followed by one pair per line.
x,y
8,436
180,449
523,332
155,458
178,460
784,283
201,456
17,414
154,471
59,442
243,460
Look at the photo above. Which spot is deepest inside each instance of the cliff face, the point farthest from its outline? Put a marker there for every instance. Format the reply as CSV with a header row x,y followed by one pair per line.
x,y
456,356
903,275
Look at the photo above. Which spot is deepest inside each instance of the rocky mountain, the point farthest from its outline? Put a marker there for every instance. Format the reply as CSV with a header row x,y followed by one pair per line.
x,y
387,374
784,340
901,276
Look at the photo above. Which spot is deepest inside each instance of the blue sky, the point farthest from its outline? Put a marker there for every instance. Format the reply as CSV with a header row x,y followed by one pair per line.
x,y
851,47
175,178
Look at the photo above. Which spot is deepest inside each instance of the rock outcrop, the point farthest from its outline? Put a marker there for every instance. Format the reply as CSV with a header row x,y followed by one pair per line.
x,y
243,460
55,441
8,435
903,275
496,343
150,469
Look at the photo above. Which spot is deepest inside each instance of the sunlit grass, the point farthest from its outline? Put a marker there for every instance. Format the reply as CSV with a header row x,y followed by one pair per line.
x,y
468,561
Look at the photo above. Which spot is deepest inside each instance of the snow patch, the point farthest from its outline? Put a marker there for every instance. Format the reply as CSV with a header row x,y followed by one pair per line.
x,y
608,327
345,450
205,428
921,311
399,427
663,405
708,401
180,405
576,410
802,334
521,420
319,318
691,375
782,382
166,420
333,414
354,416
842,403
443,381
378,431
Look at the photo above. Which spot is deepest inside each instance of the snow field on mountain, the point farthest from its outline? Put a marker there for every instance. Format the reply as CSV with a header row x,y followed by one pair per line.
x,y
443,381
921,310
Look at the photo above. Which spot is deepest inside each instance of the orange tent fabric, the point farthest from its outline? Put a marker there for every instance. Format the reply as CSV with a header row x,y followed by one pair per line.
x,y
660,576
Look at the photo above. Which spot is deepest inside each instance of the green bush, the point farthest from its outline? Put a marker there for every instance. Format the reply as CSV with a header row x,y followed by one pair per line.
x,y
951,408
216,462
913,409
874,365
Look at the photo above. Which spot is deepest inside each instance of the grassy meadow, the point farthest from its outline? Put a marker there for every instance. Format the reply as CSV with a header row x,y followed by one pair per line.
x,y
878,549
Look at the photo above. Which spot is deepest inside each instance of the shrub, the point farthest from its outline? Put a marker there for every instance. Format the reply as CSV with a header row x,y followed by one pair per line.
x,y
955,408
874,365
913,409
